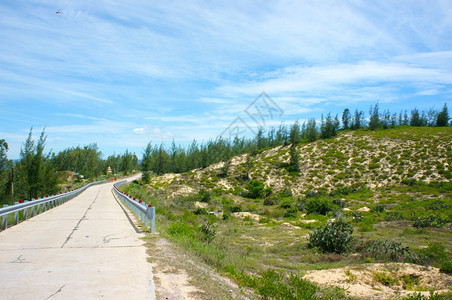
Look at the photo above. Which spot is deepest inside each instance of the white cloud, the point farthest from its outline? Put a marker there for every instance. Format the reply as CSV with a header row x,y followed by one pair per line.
x,y
140,130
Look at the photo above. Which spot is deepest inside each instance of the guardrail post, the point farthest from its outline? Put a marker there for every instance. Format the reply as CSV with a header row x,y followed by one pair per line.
x,y
5,219
150,212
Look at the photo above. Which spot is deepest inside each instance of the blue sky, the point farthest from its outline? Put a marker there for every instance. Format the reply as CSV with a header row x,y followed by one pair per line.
x,y
123,73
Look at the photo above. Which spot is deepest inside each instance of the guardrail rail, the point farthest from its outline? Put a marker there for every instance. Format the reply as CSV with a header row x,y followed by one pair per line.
x,y
31,208
146,213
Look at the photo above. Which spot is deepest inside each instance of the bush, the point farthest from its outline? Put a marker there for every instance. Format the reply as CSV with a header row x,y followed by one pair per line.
x,y
379,208
146,177
272,200
208,232
320,206
385,250
339,202
447,267
204,196
285,193
200,211
429,221
333,237
180,229
435,254
291,212
255,189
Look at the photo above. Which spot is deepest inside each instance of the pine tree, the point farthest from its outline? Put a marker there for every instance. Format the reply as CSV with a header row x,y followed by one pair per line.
x,y
442,118
294,164
346,119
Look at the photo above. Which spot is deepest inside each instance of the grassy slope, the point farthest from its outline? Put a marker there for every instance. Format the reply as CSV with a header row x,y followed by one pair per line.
x,y
401,168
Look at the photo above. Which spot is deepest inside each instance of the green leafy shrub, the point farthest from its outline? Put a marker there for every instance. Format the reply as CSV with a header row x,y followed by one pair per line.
x,y
200,211
291,212
384,250
446,267
393,216
435,254
180,228
272,200
320,206
255,189
204,195
208,231
286,192
429,221
335,237
379,208
339,202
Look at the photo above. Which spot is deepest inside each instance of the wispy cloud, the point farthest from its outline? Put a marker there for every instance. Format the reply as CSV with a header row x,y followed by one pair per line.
x,y
189,68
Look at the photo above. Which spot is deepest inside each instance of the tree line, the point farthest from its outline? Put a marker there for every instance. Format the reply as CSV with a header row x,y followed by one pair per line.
x,y
36,173
159,159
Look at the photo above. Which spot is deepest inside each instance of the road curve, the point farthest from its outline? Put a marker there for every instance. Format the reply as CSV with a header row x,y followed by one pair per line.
x,y
83,249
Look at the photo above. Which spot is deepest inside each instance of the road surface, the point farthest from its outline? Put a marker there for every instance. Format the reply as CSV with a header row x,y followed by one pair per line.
x,y
84,249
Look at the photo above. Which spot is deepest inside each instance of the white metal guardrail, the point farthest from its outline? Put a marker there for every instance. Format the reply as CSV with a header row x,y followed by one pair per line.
x,y
145,212
33,207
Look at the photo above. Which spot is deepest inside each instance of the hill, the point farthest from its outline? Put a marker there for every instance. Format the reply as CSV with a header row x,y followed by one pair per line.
x,y
263,225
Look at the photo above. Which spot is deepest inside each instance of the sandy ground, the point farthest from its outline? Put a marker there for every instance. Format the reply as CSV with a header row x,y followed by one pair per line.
x,y
362,281
179,276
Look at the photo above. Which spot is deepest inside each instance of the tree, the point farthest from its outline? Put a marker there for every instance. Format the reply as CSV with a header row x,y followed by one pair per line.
x,y
415,118
358,120
146,162
294,164
374,121
35,173
346,119
3,169
442,118
328,127
310,133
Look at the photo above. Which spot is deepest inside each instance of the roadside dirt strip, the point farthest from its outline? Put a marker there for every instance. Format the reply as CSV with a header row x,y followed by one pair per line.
x,y
83,249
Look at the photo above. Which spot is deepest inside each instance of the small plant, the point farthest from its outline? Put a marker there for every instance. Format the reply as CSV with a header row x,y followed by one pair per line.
x,y
429,221
200,211
204,195
385,278
385,250
291,212
208,231
335,237
379,208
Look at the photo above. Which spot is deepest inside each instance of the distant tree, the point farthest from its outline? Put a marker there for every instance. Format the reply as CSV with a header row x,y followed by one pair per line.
x,y
346,119
146,161
294,164
415,119
310,133
4,170
374,121
405,118
442,118
358,119
328,127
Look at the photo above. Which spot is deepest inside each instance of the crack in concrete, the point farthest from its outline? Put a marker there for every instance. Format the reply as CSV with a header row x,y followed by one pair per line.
x,y
83,217
20,260
59,291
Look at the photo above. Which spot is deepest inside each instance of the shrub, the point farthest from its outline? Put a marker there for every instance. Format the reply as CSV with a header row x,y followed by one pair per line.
x,y
385,250
335,237
200,211
447,267
204,195
379,208
429,221
320,206
435,254
208,231
286,204
146,177
286,192
255,189
339,202
180,228
291,212
272,200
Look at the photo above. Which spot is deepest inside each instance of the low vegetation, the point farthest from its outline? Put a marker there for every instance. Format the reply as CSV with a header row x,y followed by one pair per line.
x,y
267,236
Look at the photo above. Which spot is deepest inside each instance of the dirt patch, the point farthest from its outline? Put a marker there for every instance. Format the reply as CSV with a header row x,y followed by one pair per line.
x,y
244,214
383,281
178,275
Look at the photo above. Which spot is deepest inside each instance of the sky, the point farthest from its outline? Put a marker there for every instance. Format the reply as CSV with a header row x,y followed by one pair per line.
x,y
125,73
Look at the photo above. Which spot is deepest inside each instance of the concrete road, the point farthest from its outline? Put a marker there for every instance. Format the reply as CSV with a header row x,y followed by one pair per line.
x,y
84,249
